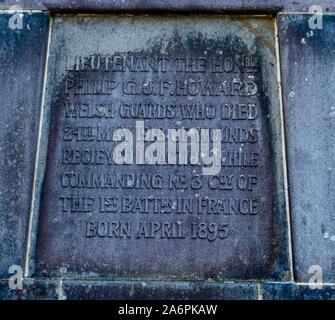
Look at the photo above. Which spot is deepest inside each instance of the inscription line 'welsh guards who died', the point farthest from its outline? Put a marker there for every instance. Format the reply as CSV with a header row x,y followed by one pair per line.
x,y
159,160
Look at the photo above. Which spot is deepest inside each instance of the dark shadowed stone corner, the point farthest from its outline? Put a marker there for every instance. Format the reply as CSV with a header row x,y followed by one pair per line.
x,y
32,289
115,290
281,291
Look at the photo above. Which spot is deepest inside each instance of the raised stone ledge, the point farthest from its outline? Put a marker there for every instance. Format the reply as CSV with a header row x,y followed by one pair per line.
x,y
157,290
229,6
282,291
41,289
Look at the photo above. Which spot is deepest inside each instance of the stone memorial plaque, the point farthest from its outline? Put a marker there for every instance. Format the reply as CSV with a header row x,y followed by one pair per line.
x,y
164,150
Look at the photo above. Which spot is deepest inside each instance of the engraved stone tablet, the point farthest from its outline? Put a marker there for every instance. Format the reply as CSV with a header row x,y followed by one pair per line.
x,y
164,153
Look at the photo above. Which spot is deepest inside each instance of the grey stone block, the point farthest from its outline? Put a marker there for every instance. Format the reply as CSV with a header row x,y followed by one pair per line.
x,y
114,290
22,61
308,64
32,289
280,291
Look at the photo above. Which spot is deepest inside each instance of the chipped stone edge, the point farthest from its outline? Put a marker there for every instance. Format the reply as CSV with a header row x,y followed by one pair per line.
x,y
39,168
283,152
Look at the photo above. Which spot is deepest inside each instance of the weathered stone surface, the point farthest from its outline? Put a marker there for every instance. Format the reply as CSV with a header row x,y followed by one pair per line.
x,y
258,6
189,219
281,291
114,290
22,60
308,64
32,289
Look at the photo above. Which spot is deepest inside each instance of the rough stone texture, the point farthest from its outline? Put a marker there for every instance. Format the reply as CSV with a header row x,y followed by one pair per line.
x,y
171,5
256,246
106,290
32,289
280,291
308,66
22,60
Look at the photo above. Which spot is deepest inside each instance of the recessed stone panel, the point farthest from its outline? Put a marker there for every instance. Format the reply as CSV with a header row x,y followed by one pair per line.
x,y
164,153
